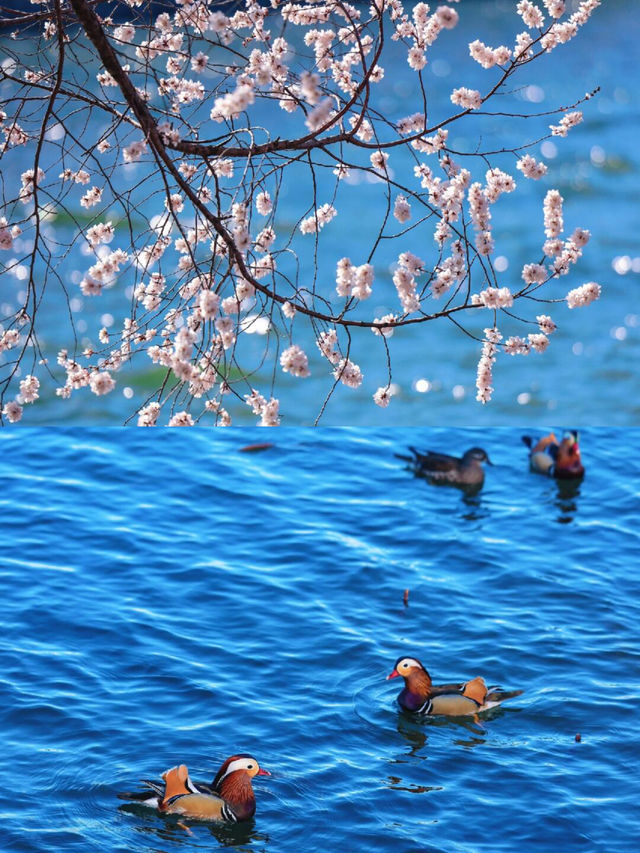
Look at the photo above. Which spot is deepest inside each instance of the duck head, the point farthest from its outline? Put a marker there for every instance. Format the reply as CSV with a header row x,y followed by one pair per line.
x,y
417,682
476,454
568,463
242,763
233,783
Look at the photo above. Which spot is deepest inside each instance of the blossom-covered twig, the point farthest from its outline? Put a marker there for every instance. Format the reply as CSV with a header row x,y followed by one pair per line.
x,y
211,110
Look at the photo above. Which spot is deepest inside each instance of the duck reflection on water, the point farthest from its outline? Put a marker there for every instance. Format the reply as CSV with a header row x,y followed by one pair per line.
x,y
566,499
415,730
176,830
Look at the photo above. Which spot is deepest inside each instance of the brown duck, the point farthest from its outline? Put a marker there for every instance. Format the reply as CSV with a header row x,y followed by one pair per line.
x,y
229,798
421,696
440,468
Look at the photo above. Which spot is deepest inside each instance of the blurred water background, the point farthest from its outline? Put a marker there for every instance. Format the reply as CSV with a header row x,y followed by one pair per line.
x,y
182,601
588,374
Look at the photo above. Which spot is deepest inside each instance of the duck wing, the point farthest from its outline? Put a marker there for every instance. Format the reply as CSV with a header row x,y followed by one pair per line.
x,y
451,700
467,698
434,461
438,689
201,806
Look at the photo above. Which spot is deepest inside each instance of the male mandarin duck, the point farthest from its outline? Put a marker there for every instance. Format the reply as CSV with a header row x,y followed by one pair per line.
x,y
228,798
556,459
421,696
451,470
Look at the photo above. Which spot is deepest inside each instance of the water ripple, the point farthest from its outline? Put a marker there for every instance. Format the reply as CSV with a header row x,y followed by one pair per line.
x,y
158,609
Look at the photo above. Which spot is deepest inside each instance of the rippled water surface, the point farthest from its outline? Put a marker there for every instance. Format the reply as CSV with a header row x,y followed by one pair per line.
x,y
182,600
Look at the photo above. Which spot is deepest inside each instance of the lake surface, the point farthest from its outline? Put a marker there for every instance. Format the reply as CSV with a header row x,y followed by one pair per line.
x,y
588,374
181,600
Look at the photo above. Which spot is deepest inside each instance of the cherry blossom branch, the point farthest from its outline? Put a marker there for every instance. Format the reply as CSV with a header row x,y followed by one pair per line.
x,y
189,316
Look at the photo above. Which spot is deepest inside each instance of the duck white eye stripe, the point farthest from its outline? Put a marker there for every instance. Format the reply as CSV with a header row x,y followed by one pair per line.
x,y
238,764
409,661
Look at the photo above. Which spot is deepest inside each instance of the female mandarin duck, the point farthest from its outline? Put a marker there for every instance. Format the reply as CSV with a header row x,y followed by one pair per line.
x,y
421,696
556,459
229,798
451,470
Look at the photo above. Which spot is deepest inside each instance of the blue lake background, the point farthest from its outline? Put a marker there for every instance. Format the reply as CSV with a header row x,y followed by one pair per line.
x,y
180,600
588,374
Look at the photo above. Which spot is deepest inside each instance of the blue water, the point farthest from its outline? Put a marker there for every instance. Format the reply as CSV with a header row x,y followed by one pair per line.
x,y
183,600
587,375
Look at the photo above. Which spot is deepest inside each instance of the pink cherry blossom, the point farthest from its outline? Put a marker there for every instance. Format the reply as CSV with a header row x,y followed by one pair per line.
x,y
531,14
484,376
382,396
264,205
101,383
546,324
148,415
531,168
402,209
294,361
348,373
181,419
469,99
583,295
29,389
12,411
493,297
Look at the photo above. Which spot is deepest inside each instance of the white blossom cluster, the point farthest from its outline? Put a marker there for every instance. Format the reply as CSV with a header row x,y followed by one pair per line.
x,y
294,361
484,376
354,280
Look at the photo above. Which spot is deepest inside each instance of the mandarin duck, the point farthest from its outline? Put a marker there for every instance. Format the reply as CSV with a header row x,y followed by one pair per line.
x,y
228,798
556,459
438,468
421,696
